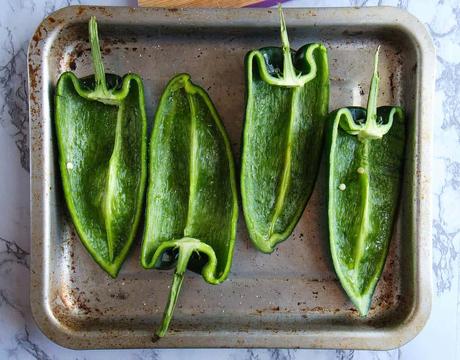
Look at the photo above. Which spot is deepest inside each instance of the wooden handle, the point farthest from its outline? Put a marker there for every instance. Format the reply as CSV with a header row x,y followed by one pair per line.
x,y
197,3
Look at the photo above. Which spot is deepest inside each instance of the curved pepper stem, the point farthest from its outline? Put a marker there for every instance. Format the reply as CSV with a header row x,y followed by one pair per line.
x,y
172,300
185,251
371,129
288,66
290,77
371,117
99,72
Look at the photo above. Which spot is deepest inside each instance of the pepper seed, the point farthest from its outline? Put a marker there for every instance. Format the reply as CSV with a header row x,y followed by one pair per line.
x,y
342,187
69,166
360,170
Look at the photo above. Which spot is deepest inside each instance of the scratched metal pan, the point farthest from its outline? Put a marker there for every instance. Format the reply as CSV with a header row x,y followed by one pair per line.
x,y
289,299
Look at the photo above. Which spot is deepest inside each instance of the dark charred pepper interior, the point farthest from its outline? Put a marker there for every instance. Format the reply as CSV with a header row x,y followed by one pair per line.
x,y
101,135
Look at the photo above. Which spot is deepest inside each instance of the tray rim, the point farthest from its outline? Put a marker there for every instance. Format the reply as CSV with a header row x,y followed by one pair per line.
x,y
386,338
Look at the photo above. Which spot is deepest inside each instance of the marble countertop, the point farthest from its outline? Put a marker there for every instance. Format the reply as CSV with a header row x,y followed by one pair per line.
x,y
19,336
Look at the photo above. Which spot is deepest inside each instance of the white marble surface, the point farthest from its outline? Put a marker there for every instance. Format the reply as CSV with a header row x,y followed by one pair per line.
x,y
19,336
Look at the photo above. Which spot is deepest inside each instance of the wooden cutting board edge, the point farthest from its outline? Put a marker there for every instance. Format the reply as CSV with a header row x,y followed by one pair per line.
x,y
197,3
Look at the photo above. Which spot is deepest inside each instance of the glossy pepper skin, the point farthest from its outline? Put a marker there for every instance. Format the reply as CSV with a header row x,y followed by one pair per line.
x,y
366,153
286,110
192,200
101,135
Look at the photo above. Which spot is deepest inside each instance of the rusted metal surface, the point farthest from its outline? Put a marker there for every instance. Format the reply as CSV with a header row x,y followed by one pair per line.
x,y
288,299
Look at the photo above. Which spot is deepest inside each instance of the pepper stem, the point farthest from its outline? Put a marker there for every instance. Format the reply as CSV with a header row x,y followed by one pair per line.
x,y
185,251
371,117
99,72
288,67
372,130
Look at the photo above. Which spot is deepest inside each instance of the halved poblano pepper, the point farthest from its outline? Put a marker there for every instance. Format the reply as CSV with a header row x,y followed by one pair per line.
x,y
286,110
192,201
101,136
366,152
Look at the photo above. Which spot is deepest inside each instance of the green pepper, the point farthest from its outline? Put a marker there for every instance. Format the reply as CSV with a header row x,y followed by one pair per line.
x,y
366,153
101,136
192,200
286,110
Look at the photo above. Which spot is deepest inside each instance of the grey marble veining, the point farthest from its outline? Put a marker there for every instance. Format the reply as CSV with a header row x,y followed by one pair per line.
x,y
19,336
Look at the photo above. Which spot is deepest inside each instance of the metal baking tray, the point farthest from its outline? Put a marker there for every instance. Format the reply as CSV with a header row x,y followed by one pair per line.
x,y
289,299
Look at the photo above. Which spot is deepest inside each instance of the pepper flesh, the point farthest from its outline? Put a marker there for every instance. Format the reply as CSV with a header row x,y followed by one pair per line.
x,y
287,105
101,135
192,201
366,152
